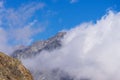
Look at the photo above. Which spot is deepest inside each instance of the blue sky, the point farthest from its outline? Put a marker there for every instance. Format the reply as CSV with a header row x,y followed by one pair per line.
x,y
93,51
57,15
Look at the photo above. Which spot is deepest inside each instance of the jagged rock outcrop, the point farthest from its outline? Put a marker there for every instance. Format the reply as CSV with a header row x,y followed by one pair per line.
x,y
12,69
48,45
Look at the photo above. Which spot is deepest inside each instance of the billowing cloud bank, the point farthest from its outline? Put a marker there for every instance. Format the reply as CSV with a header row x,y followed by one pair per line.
x,y
90,50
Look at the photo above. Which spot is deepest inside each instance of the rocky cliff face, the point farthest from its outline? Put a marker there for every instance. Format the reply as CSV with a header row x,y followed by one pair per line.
x,y
31,51
12,69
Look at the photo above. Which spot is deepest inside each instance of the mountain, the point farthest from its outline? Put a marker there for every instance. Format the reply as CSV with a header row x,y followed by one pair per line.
x,y
12,69
35,49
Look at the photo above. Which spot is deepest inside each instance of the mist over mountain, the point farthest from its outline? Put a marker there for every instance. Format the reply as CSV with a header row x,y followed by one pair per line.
x,y
37,47
90,51
86,46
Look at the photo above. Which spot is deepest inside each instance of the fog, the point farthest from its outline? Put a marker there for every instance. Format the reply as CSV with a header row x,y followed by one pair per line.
x,y
89,51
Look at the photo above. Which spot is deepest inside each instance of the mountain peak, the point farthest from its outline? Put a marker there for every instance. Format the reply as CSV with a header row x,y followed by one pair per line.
x,y
34,49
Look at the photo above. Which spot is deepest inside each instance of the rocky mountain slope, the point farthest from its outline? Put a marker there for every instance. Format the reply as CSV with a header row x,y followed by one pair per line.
x,y
35,49
31,51
12,69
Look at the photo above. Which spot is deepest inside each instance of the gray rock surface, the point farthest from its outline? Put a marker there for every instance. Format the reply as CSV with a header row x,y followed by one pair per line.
x,y
31,51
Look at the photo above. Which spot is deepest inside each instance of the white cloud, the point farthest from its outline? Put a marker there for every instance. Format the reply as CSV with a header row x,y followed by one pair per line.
x,y
73,1
1,4
24,35
3,41
89,51
18,25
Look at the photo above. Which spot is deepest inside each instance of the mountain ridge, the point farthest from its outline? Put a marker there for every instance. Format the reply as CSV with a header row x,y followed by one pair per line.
x,y
34,49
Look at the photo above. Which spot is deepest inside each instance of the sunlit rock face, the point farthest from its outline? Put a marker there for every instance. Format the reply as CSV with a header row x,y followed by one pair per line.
x,y
12,69
31,51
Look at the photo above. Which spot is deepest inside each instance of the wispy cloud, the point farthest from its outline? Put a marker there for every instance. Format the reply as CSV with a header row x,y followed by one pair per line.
x,y
1,4
73,1
18,26
3,41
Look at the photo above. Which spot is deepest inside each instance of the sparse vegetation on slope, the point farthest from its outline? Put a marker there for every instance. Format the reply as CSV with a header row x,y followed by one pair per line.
x,y
12,69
